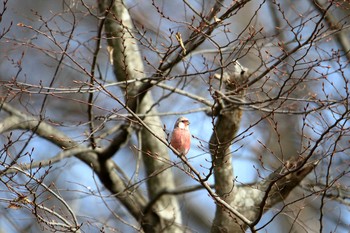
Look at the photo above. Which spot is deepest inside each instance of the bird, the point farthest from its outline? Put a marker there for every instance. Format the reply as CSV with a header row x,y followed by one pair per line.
x,y
181,136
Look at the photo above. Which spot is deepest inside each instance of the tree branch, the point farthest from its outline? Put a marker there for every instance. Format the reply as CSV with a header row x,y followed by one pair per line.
x,y
225,129
127,65
134,201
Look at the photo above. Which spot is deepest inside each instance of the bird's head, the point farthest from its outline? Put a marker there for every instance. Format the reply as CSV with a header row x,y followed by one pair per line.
x,y
182,123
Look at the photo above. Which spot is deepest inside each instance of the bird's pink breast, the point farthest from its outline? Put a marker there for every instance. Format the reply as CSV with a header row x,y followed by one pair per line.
x,y
181,140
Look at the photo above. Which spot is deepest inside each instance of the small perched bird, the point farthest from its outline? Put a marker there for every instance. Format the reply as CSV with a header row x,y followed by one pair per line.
x,y
181,136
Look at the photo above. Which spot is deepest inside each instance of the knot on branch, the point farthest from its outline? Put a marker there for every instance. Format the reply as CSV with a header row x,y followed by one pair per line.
x,y
281,182
233,81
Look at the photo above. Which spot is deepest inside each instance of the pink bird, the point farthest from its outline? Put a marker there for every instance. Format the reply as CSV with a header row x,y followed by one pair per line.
x,y
181,136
